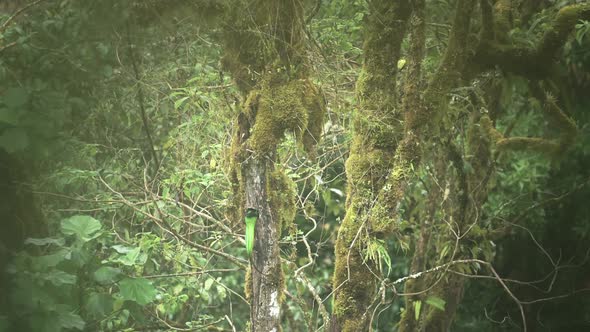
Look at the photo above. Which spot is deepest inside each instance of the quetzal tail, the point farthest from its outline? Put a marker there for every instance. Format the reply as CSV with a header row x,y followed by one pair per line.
x,y
250,219
250,226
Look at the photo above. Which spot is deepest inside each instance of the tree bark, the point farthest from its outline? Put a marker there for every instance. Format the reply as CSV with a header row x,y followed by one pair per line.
x,y
266,265
265,52
378,130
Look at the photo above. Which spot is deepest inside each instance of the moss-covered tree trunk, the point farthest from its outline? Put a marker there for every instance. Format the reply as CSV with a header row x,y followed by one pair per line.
x,y
378,129
265,52
389,140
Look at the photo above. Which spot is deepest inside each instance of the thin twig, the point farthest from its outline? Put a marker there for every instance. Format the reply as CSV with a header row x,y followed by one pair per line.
x,y
16,14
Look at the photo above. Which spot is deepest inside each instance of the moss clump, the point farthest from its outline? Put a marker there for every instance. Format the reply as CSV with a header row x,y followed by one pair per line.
x,y
353,294
552,148
316,112
277,107
490,131
248,284
379,123
366,167
282,196
384,214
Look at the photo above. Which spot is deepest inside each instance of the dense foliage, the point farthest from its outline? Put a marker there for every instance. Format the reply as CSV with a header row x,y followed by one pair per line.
x,y
118,202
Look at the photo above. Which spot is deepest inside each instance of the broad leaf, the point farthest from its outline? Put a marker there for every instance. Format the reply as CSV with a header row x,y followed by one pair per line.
x,y
138,290
106,274
122,249
70,320
99,305
51,260
84,228
132,257
58,278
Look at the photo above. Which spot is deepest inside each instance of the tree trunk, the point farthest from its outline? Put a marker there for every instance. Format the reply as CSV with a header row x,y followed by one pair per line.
x,y
265,52
266,264
378,129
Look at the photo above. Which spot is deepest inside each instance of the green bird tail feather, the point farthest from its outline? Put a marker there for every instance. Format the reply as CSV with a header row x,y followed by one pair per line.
x,y
250,226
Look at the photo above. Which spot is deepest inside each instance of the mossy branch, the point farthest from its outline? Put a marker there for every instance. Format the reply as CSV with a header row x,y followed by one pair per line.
x,y
532,62
566,125
451,67
562,26
551,147
534,144
384,214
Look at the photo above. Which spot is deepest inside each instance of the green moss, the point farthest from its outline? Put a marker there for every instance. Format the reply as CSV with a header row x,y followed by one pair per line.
x,y
279,107
384,214
316,110
378,128
490,131
353,294
531,144
236,206
365,170
561,27
503,12
566,126
248,284
270,36
282,195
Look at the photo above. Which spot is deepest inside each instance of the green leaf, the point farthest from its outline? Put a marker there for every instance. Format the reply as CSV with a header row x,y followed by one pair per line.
x,y
106,274
51,260
58,278
85,228
208,284
417,307
436,302
70,320
15,97
132,257
122,249
14,140
99,305
138,290
179,102
444,251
